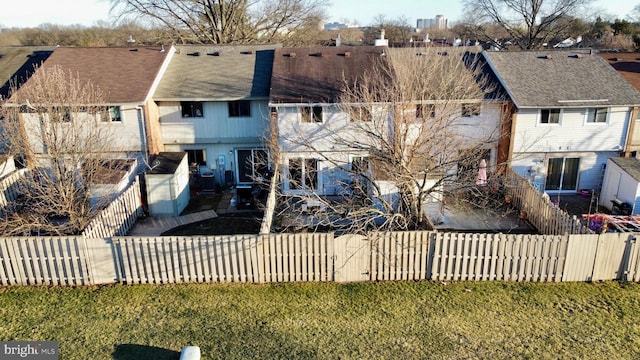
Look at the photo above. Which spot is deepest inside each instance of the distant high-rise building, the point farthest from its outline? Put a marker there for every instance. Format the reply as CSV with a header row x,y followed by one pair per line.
x,y
440,22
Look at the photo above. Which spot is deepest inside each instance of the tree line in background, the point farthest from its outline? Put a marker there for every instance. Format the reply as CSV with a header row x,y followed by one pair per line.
x,y
522,24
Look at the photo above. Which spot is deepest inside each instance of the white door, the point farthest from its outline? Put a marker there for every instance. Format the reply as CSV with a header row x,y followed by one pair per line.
x,y
611,189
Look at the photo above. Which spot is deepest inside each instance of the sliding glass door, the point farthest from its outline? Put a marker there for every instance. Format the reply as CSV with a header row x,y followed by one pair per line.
x,y
562,174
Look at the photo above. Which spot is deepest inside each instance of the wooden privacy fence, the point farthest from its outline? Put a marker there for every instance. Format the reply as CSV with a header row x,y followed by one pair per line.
x,y
10,188
541,212
319,257
119,217
44,261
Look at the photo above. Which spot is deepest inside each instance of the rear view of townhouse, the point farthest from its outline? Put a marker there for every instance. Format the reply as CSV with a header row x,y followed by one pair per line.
x,y
570,113
213,104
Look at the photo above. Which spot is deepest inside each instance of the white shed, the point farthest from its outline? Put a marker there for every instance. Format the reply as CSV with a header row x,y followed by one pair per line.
x,y
621,184
167,184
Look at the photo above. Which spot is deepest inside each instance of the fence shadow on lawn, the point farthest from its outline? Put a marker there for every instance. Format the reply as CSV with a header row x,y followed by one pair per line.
x,y
142,352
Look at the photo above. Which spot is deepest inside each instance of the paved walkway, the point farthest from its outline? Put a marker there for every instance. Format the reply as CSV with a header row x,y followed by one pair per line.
x,y
151,226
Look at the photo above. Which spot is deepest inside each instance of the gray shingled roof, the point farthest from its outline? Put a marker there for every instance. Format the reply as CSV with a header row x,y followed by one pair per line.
x,y
556,79
218,73
17,64
630,165
124,75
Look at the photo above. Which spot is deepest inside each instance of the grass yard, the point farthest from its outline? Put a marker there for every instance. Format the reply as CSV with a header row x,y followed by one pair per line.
x,y
404,320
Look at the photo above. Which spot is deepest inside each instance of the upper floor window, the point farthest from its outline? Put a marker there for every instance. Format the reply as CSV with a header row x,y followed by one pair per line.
x,y
310,114
428,111
60,114
359,113
110,114
191,108
239,108
550,116
470,109
597,115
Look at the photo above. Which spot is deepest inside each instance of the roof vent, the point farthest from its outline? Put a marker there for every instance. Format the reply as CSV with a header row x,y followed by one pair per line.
x,y
577,56
248,52
318,54
443,53
345,54
215,53
548,57
134,49
291,55
194,54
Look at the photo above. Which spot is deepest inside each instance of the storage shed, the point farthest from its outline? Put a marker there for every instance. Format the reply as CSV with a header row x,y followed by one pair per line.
x,y
621,186
167,184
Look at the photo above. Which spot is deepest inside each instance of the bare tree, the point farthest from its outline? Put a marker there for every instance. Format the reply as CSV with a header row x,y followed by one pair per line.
x,y
530,23
407,132
59,127
398,30
226,21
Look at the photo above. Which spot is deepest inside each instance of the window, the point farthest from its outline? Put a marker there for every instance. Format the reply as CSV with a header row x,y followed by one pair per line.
x,y
114,114
550,116
60,114
311,114
469,110
110,114
253,165
196,157
191,108
424,111
303,174
240,108
359,113
597,115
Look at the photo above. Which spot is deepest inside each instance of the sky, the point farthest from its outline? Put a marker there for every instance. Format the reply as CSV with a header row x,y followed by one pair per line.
x,y
32,13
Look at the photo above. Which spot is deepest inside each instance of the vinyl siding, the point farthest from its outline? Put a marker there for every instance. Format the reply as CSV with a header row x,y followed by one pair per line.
x,y
590,168
572,134
215,126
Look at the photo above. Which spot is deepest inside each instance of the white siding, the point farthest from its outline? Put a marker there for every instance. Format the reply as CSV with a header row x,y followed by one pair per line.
x,y
484,127
215,126
620,185
125,136
572,133
336,132
590,170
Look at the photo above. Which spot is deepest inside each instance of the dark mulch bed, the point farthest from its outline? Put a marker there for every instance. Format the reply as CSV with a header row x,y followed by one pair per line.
x,y
225,224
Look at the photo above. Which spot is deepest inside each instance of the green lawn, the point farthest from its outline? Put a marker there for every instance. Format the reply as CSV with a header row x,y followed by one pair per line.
x,y
417,320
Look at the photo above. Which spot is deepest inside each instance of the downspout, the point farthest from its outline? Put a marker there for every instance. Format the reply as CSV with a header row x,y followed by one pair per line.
x,y
630,131
143,122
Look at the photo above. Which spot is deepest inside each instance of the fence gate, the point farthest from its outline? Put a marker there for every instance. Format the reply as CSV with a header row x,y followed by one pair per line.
x,y
352,258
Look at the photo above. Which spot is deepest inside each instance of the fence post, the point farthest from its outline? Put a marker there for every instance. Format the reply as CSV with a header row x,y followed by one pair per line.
x,y
631,257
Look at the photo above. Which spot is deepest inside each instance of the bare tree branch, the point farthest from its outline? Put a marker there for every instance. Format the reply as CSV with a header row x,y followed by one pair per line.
x,y
57,123
530,23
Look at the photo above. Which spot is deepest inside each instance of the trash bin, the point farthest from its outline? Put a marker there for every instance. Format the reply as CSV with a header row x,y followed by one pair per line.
x,y
208,181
